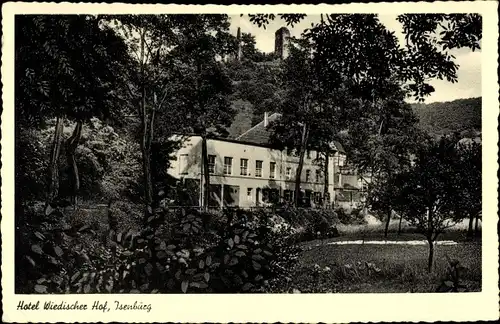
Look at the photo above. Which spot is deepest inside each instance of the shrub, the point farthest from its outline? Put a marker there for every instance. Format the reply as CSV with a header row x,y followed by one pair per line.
x,y
316,223
453,280
355,216
174,252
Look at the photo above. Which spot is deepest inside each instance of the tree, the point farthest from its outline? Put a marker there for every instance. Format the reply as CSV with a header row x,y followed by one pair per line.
x,y
299,107
72,78
259,84
468,200
334,68
249,50
203,90
427,191
429,37
150,39
381,144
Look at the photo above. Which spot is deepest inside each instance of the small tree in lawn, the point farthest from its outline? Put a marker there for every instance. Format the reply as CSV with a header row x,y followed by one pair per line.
x,y
427,191
380,141
468,202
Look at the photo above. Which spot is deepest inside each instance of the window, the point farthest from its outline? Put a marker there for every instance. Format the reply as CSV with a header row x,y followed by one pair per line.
x,y
258,168
228,165
318,175
308,175
244,167
211,164
288,173
272,170
249,194
183,163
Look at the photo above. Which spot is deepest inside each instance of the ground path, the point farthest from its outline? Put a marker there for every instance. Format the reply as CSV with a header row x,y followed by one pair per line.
x,y
379,242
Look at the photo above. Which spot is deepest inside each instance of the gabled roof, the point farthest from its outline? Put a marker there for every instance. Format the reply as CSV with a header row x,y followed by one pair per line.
x,y
260,134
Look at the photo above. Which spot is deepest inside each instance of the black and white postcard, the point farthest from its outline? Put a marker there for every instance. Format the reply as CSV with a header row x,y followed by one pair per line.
x,y
279,163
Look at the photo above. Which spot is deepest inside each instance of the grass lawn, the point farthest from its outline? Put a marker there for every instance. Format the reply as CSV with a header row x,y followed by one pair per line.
x,y
400,268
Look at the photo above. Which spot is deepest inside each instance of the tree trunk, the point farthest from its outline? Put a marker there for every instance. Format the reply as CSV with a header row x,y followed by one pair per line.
x,y
400,221
71,145
146,170
470,233
147,133
206,174
476,227
430,230
431,255
146,158
325,188
53,176
298,174
386,231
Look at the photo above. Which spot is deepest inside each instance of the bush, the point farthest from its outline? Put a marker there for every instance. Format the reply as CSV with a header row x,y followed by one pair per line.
x,y
355,216
316,223
126,215
175,252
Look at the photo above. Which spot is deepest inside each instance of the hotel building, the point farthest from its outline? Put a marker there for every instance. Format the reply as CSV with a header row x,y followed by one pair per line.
x,y
247,171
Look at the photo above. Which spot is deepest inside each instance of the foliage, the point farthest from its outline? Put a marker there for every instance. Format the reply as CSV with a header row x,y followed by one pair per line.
x,y
355,216
108,162
429,37
429,187
174,253
148,39
206,111
467,200
74,74
31,164
452,282
263,19
74,77
427,191
258,84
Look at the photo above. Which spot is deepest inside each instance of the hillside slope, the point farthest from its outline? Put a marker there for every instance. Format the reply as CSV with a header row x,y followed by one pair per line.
x,y
441,118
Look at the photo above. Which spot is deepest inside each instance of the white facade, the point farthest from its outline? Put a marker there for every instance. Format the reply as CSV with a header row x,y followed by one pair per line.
x,y
241,173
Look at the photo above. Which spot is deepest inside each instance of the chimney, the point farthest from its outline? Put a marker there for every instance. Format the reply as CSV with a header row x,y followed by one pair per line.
x,y
238,37
266,119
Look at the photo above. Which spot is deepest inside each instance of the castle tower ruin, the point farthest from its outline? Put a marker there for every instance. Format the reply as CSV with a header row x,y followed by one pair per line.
x,y
281,41
238,38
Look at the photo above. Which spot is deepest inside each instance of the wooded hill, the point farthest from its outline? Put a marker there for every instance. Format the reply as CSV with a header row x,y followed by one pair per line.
x,y
439,118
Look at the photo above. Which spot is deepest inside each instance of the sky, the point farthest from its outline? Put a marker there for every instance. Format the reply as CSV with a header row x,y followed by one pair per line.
x,y
469,71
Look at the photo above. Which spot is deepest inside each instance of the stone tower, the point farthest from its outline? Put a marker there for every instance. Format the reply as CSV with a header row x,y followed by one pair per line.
x,y
281,42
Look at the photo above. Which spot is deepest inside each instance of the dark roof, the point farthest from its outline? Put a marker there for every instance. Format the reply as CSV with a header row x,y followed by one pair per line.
x,y
259,134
